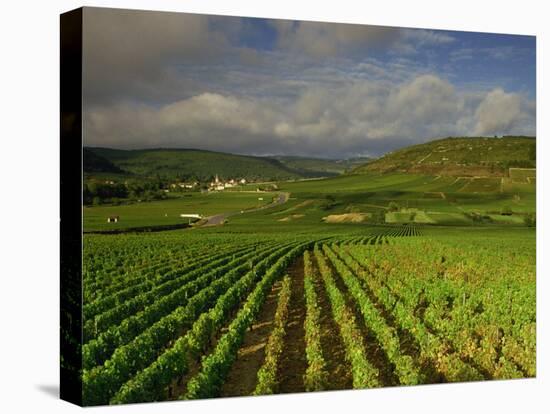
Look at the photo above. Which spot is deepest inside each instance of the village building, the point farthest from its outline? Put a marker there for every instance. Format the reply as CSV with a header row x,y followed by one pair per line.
x,y
184,185
219,185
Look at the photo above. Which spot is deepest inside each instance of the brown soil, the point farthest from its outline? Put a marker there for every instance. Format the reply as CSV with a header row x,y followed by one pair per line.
x,y
242,377
293,363
334,351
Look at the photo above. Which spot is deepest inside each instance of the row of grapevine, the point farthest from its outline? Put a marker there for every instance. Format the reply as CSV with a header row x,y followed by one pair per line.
x,y
108,261
215,366
316,376
101,382
168,311
144,270
386,336
112,263
162,277
404,231
155,376
152,382
482,323
432,348
364,374
166,296
267,374
406,310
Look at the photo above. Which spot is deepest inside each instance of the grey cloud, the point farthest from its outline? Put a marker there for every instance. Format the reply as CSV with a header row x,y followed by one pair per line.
x,y
131,54
156,79
357,118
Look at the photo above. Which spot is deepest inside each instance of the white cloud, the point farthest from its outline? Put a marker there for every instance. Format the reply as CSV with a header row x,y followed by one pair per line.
x,y
412,41
500,113
318,39
461,54
423,37
364,116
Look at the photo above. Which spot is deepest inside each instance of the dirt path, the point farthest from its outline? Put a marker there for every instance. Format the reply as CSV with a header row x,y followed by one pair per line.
x,y
293,362
242,378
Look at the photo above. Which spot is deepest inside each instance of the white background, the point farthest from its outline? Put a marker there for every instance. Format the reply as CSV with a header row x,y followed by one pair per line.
x,y
29,226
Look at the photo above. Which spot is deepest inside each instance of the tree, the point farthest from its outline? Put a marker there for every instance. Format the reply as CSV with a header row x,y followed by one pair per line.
x,y
506,211
329,203
393,206
379,217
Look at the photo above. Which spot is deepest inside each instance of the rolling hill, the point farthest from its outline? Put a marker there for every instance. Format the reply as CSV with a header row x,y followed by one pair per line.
x,y
95,163
191,163
458,157
320,166
202,164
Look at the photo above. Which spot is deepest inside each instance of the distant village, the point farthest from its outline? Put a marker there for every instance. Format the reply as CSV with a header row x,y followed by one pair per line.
x,y
214,185
110,192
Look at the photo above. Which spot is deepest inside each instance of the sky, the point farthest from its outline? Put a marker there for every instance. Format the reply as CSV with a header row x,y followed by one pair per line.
x,y
281,87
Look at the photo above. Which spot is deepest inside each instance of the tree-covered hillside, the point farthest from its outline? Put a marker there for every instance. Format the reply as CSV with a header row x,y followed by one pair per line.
x,y
195,164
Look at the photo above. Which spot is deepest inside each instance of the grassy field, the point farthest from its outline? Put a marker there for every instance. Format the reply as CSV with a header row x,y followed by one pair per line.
x,y
433,199
167,212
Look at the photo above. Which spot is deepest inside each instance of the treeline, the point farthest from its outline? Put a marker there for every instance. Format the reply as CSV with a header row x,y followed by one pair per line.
x,y
95,193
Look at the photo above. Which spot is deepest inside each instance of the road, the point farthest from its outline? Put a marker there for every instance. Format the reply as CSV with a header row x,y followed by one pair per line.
x,y
220,218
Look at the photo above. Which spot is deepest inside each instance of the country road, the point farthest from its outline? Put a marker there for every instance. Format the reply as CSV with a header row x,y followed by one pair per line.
x,y
220,218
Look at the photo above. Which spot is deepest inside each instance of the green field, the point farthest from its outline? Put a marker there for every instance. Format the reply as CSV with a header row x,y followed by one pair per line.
x,y
167,212
522,175
436,200
442,289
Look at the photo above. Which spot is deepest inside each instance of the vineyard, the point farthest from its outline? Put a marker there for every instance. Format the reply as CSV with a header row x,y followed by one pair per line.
x,y
171,316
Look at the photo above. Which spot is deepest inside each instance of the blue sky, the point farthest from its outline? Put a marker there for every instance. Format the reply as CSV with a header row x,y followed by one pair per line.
x,y
261,86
